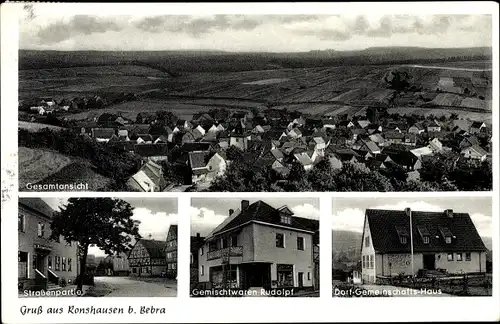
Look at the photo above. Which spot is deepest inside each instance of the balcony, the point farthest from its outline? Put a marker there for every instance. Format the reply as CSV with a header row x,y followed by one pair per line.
x,y
225,253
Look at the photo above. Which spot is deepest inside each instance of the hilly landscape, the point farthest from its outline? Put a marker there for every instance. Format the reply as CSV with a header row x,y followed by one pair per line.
x,y
326,83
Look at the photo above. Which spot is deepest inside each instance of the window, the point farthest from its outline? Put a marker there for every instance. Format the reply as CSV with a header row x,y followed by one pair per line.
x,y
20,223
63,264
450,256
41,229
201,251
459,256
234,240
192,258
363,262
300,243
367,241
280,240
371,262
174,266
58,263
202,270
308,276
49,261
225,243
403,239
134,270
69,264
286,219
467,256
426,240
448,240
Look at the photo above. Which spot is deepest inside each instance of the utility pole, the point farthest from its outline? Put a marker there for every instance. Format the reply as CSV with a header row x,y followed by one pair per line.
x,y
411,245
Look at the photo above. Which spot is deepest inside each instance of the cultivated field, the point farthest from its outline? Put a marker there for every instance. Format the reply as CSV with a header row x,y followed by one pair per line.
x,y
455,87
35,127
181,108
92,80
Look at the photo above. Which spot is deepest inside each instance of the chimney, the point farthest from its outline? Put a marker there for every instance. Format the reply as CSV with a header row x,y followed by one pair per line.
x,y
197,235
408,212
244,204
231,211
449,213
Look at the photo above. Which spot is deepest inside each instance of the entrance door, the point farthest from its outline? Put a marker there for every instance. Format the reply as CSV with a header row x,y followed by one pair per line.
x,y
40,263
301,279
429,261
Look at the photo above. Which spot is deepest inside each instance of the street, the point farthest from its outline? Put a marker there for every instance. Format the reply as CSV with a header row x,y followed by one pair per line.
x,y
134,287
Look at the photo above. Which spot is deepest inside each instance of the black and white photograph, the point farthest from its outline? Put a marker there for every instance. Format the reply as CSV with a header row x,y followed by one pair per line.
x,y
254,248
412,247
97,247
254,102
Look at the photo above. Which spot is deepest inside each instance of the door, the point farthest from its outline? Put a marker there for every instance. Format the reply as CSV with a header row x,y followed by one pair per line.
x,y
301,279
429,262
40,263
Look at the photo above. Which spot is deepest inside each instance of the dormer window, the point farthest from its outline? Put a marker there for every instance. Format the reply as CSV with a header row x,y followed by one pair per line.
x,y
446,234
403,234
424,234
286,219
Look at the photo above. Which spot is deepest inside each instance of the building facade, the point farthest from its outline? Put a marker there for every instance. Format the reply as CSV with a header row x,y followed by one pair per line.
x,y
147,259
42,263
196,242
120,265
260,246
442,241
171,252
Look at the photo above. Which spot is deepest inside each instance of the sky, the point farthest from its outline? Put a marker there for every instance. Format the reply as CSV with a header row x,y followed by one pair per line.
x,y
349,213
56,27
155,215
208,213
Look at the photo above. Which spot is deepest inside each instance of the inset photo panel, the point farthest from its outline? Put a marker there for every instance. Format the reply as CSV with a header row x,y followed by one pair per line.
x,y
245,247
97,247
412,247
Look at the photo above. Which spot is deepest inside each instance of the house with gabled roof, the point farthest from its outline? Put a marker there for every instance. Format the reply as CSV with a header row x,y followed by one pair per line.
x,y
147,258
305,160
435,145
467,141
433,126
197,162
367,146
475,152
42,262
394,137
416,128
260,246
345,124
476,127
154,152
102,134
148,179
363,123
217,165
171,251
144,139
440,240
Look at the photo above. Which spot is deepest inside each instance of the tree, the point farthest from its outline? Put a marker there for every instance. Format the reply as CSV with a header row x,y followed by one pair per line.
x,y
105,223
398,80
